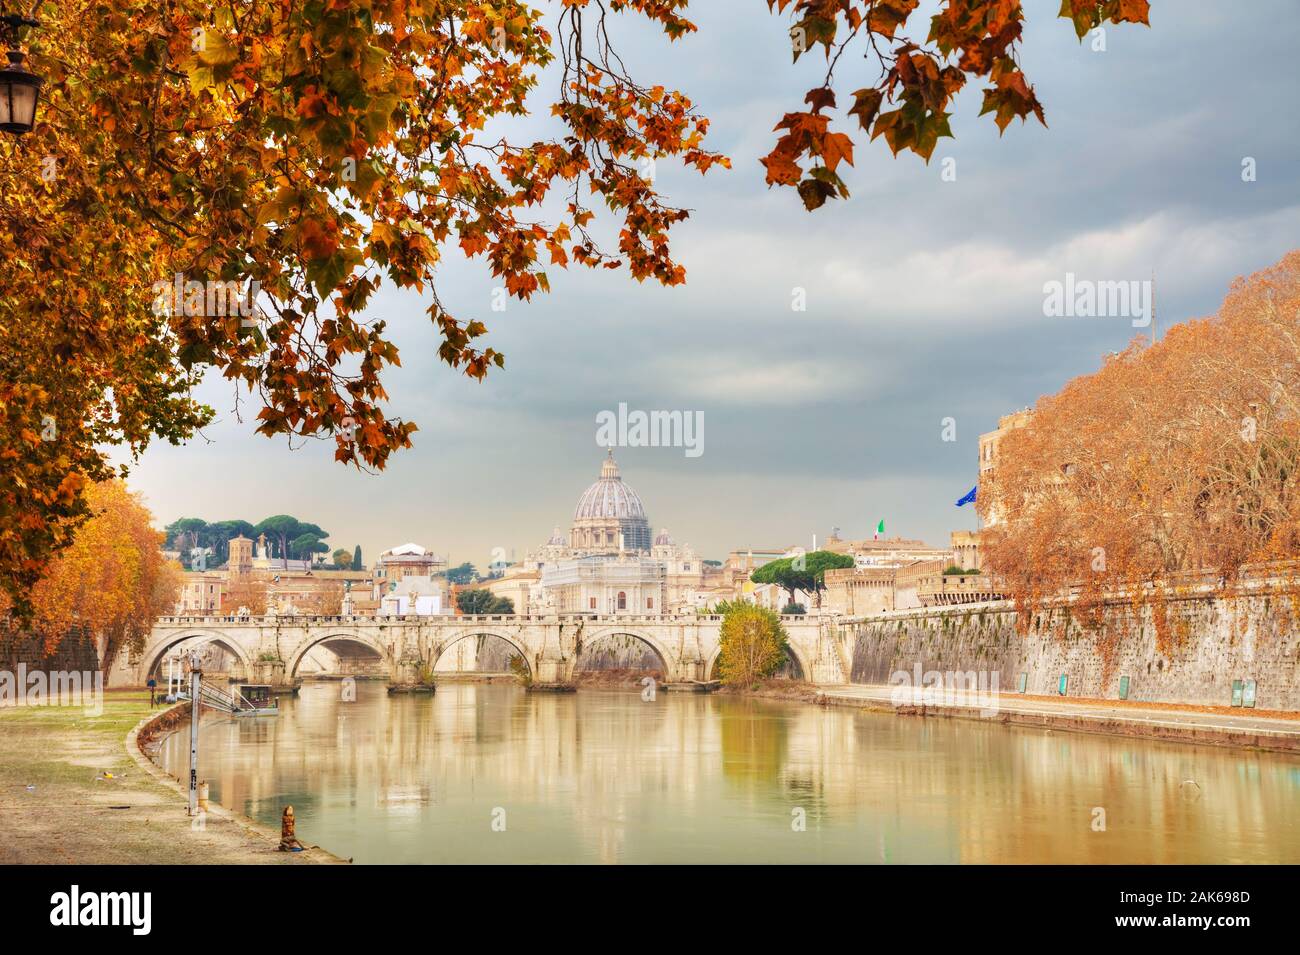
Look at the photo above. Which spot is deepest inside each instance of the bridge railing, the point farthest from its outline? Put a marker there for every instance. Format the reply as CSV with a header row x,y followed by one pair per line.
x,y
298,620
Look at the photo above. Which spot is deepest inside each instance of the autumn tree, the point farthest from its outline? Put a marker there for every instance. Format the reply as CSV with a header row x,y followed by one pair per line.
x,y
323,597
1172,465
752,644
110,583
227,187
343,558
245,592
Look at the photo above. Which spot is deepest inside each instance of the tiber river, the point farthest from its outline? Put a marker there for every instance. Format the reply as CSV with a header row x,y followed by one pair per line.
x,y
490,773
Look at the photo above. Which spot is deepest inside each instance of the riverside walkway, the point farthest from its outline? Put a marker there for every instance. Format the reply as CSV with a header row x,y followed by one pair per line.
x,y
1180,722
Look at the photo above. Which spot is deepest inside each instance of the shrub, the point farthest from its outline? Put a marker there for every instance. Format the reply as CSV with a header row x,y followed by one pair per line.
x,y
753,644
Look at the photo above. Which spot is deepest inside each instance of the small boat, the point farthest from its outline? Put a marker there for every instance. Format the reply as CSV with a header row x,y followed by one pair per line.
x,y
255,699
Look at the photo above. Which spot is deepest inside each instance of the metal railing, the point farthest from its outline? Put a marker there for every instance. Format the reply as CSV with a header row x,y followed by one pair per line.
x,y
220,700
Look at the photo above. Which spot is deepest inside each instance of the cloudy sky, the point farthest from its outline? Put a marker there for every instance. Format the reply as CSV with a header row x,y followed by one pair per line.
x,y
924,301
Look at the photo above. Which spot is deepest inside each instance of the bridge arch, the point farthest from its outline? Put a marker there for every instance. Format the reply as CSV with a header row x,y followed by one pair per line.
x,y
590,640
154,654
295,658
438,649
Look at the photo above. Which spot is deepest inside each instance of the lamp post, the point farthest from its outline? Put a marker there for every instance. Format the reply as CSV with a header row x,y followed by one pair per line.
x,y
20,88
196,693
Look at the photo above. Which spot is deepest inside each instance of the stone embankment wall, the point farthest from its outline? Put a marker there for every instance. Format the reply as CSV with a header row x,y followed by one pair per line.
x,y
75,653
1213,641
168,721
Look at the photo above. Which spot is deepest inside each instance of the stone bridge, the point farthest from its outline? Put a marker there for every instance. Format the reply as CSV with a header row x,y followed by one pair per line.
x,y
270,649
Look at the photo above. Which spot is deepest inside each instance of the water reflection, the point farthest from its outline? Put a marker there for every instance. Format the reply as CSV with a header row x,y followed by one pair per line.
x,y
601,776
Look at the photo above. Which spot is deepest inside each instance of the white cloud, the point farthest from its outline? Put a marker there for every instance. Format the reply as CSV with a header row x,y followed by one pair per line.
x,y
996,281
756,381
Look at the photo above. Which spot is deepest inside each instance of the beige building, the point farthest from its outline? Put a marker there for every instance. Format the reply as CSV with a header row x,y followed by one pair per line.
x,y
318,591
201,593
939,589
989,441
626,583
966,550
890,552
516,585
609,563
240,560
255,584
871,589
989,447
407,560
902,575
886,574
732,579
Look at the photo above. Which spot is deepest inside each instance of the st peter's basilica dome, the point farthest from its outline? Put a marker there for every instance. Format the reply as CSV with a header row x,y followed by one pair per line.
x,y
609,515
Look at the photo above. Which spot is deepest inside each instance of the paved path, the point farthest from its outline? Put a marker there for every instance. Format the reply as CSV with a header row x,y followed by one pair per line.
x,y
72,792
1100,715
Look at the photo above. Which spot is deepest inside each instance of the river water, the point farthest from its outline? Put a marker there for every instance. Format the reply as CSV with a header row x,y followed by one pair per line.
x,y
490,773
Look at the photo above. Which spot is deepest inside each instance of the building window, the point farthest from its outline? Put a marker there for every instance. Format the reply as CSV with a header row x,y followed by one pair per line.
x,y
591,603
649,603
622,600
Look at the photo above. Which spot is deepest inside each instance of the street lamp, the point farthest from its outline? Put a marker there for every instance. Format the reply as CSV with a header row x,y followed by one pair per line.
x,y
20,88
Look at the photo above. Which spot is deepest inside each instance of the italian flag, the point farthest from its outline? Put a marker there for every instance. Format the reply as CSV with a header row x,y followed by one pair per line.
x,y
880,529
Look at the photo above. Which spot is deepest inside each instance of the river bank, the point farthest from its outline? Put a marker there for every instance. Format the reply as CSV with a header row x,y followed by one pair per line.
x,y
71,792
1271,730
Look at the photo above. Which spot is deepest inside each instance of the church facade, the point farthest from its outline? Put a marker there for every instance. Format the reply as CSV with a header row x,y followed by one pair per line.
x,y
609,563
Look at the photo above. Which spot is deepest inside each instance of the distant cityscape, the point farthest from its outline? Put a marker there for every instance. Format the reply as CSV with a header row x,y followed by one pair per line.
x,y
610,562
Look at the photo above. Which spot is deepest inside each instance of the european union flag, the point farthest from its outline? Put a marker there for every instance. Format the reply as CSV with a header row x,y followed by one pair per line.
x,y
968,498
